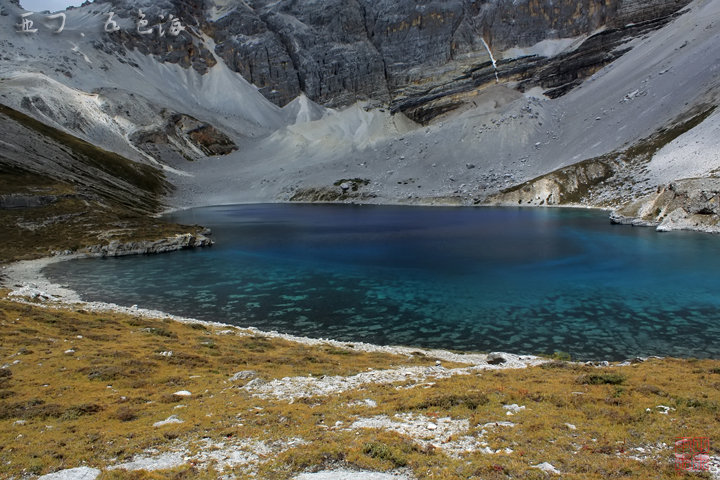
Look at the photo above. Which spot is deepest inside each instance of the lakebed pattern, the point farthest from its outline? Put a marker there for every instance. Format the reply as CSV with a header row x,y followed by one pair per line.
x,y
196,399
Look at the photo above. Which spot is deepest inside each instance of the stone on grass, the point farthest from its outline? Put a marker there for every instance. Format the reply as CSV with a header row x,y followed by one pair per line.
x,y
350,475
514,408
244,375
495,359
161,462
168,421
254,383
547,467
79,473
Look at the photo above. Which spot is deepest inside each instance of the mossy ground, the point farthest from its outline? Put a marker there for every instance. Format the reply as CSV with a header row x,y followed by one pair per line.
x,y
71,224
109,198
73,221
97,405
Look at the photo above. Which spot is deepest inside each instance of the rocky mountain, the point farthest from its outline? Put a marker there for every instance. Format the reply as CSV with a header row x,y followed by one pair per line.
x,y
459,101
416,54
410,54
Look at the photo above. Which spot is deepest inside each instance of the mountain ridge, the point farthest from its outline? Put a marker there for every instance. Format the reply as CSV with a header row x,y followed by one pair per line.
x,y
456,139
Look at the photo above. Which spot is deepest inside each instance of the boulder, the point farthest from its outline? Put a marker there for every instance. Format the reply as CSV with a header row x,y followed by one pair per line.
x,y
79,473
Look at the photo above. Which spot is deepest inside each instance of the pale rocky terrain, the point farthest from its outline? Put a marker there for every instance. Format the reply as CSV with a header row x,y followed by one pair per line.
x,y
452,103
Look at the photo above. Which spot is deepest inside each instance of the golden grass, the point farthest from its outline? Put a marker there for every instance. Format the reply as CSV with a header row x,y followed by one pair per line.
x,y
83,388
89,210
70,223
96,406
145,177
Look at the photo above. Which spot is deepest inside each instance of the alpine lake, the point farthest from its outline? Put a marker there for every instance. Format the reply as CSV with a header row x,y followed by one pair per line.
x,y
524,281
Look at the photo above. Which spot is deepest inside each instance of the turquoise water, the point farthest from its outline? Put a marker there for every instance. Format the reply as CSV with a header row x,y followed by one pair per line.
x,y
485,279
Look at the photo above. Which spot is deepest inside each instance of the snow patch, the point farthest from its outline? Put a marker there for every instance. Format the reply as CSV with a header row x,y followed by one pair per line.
x,y
492,58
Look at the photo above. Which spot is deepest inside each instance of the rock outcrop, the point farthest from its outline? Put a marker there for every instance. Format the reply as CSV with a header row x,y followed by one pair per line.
x,y
187,48
411,53
567,186
171,244
182,137
423,57
688,204
19,200
621,180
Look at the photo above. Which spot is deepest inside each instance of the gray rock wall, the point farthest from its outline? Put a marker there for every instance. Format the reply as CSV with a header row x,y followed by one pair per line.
x,y
341,51
687,204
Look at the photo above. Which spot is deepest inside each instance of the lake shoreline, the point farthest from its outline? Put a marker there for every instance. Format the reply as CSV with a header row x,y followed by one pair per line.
x,y
362,409
27,283
30,281
384,203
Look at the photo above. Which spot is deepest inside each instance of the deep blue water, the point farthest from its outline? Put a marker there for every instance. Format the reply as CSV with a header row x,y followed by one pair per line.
x,y
483,279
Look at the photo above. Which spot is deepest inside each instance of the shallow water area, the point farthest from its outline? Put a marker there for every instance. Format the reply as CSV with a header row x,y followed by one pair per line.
x,y
482,279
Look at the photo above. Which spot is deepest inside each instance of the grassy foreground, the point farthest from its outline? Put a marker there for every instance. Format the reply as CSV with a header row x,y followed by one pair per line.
x,y
81,388
84,388
71,222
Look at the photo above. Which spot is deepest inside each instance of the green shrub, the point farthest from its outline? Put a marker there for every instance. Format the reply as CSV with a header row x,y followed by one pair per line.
x,y
602,379
469,400
382,451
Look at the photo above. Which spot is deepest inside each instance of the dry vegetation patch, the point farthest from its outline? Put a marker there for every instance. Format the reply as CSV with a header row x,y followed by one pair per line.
x,y
71,220
82,388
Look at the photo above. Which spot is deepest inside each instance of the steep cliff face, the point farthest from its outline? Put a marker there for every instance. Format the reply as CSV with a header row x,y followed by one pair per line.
x,y
187,49
423,57
415,52
249,47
